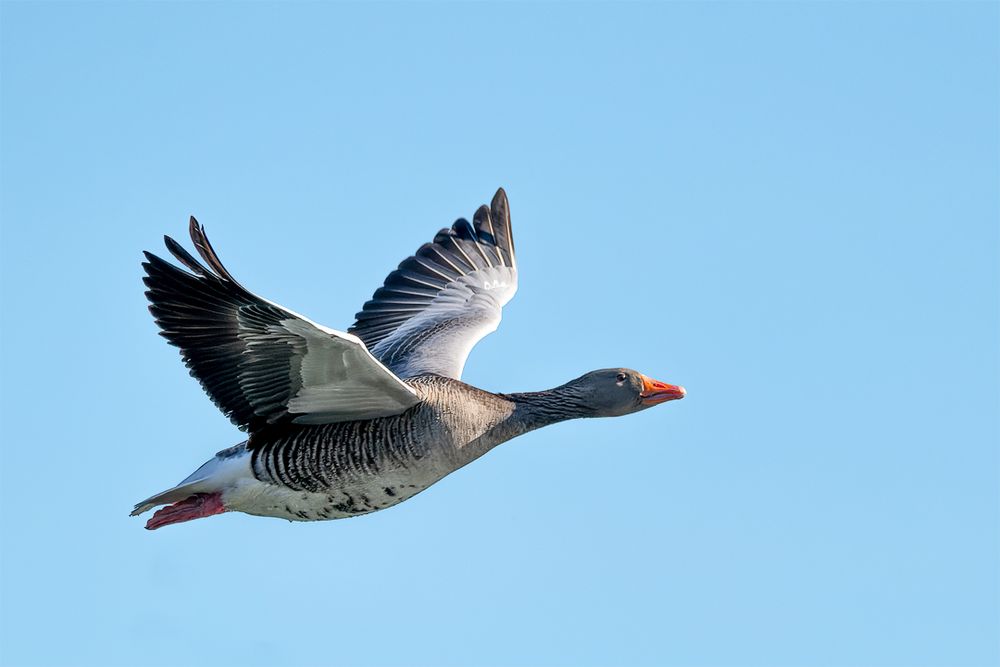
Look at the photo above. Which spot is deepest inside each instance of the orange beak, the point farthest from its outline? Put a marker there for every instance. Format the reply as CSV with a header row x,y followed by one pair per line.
x,y
654,391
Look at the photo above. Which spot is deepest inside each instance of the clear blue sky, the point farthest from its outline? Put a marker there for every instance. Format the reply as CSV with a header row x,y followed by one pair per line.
x,y
791,209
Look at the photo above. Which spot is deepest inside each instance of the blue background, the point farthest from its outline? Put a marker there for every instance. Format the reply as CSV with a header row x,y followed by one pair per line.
x,y
790,209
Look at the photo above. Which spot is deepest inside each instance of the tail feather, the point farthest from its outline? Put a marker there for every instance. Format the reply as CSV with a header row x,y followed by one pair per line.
x,y
223,471
179,492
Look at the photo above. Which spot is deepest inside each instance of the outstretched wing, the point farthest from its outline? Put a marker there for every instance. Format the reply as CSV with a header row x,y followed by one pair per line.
x,y
441,301
260,363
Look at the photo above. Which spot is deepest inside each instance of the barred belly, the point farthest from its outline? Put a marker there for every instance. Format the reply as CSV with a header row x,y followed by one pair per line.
x,y
332,471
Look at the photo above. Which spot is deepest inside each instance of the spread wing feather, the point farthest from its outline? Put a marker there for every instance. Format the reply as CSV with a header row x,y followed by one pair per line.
x,y
440,302
259,362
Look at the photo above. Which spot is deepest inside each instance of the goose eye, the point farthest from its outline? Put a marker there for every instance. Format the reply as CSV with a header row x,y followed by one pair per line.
x,y
620,378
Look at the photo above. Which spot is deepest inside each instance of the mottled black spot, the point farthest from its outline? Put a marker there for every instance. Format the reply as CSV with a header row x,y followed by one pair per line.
x,y
305,496
366,500
389,492
348,506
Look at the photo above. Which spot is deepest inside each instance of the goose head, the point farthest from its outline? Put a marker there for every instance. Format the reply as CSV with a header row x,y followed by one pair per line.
x,y
612,392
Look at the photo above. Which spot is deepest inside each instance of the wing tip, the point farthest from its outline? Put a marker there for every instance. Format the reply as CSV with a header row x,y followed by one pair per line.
x,y
500,208
204,247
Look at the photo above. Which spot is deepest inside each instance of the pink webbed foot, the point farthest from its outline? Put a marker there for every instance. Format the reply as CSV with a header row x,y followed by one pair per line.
x,y
197,506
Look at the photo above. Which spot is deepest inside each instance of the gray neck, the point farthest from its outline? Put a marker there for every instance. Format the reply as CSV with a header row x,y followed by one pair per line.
x,y
535,409
526,412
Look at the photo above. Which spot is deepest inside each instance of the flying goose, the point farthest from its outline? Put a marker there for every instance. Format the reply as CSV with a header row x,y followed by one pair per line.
x,y
342,424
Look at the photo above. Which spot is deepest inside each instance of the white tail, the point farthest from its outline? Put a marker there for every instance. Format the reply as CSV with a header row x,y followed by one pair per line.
x,y
216,475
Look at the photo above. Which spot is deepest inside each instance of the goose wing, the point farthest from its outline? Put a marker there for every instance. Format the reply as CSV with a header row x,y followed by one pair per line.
x,y
440,302
259,362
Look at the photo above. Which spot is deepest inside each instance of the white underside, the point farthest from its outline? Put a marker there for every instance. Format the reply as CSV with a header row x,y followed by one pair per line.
x,y
233,477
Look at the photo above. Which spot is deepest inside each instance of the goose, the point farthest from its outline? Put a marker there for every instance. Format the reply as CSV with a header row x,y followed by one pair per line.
x,y
342,424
